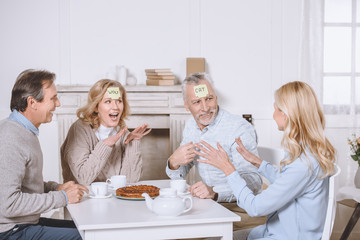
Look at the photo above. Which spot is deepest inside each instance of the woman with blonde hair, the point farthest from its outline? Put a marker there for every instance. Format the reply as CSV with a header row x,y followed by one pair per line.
x,y
294,200
98,144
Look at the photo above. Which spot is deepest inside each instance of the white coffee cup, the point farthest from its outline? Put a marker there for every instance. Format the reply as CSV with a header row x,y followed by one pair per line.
x,y
99,189
117,181
179,185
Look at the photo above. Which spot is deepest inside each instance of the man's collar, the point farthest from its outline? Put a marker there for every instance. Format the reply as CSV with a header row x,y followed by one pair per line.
x,y
22,120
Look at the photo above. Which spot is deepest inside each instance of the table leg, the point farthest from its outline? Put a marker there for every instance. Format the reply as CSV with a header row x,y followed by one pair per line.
x,y
349,227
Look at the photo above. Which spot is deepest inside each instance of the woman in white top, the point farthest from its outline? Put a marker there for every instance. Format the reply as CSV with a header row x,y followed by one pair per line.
x,y
294,202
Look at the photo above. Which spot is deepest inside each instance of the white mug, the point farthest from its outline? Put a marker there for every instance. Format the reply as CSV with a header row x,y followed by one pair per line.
x,y
99,189
117,181
179,185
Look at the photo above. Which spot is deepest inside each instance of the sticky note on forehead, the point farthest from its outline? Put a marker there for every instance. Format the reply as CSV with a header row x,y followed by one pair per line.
x,y
201,90
114,92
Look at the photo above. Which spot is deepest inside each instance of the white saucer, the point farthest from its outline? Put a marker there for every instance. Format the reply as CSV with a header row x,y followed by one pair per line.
x,y
183,193
112,187
99,197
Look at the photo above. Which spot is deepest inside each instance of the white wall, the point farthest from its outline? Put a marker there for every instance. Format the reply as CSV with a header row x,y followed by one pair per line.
x,y
251,48
29,39
246,45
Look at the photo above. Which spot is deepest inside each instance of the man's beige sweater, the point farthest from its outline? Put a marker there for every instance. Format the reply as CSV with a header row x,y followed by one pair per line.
x,y
85,159
23,193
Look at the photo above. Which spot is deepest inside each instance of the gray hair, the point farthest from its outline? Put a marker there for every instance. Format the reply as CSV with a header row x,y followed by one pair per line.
x,y
194,79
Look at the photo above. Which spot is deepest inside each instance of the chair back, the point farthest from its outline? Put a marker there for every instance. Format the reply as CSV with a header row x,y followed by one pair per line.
x,y
271,155
331,208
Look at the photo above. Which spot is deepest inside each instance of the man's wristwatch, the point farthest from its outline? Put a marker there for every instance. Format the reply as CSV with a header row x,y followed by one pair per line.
x,y
216,196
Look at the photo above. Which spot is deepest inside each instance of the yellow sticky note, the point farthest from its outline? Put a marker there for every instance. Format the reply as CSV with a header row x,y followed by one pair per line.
x,y
114,92
201,90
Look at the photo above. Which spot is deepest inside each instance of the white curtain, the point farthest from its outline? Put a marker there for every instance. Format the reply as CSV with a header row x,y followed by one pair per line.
x,y
311,44
311,72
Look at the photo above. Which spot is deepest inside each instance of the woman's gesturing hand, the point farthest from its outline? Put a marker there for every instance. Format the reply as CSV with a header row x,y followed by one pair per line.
x,y
110,141
137,133
215,157
248,156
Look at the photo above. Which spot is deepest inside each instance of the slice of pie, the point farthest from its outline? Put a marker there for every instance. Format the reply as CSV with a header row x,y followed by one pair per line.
x,y
135,191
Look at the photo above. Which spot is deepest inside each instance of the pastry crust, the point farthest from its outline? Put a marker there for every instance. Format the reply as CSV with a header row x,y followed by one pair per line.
x,y
135,191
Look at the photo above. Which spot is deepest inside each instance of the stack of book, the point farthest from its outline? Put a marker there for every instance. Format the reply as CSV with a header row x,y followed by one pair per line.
x,y
159,77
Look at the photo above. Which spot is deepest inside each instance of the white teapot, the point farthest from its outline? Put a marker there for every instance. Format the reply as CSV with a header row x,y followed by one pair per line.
x,y
168,203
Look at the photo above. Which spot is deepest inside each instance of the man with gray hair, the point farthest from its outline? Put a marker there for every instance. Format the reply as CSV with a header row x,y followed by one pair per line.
x,y
23,193
213,125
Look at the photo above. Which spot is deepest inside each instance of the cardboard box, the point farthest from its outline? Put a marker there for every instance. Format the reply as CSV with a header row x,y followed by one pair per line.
x,y
194,65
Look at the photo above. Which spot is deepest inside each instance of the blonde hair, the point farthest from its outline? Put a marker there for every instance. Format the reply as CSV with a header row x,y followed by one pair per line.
x,y
304,126
87,114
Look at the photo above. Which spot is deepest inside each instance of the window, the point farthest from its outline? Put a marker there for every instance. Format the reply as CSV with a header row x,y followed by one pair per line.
x,y
341,65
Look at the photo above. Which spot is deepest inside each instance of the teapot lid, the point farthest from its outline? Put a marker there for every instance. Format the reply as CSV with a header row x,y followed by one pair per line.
x,y
169,192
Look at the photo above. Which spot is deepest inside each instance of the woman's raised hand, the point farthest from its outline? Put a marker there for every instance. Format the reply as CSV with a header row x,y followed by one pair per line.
x,y
215,157
110,141
248,156
137,133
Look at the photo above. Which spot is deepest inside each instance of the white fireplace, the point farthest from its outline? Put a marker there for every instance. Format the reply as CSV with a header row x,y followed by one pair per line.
x,y
161,107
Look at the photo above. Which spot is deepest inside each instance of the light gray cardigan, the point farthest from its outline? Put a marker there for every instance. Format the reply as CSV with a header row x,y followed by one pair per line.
x,y
23,193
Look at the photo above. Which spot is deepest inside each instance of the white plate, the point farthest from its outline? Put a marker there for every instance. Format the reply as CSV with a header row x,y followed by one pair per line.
x,y
99,197
130,198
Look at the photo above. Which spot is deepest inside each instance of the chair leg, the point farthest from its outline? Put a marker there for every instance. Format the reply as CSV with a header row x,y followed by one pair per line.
x,y
349,227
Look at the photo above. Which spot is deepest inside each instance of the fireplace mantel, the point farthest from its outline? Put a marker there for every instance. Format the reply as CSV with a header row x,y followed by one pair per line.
x,y
161,107
142,99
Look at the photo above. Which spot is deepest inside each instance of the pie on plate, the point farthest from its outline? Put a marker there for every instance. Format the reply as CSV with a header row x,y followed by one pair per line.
x,y
135,191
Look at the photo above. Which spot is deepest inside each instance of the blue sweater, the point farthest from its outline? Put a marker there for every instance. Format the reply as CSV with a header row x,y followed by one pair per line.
x,y
295,202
